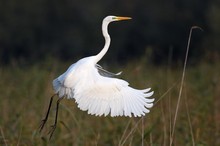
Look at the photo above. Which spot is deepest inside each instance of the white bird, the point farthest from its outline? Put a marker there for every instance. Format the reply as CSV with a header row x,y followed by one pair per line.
x,y
98,91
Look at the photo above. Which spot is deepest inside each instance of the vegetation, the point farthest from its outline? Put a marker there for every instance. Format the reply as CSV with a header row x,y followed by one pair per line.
x,y
25,93
39,39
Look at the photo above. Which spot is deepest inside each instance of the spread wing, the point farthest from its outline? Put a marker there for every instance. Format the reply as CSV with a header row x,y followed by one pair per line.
x,y
113,96
98,92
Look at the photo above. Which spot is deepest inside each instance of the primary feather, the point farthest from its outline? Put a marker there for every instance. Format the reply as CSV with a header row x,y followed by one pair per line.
x,y
98,91
106,73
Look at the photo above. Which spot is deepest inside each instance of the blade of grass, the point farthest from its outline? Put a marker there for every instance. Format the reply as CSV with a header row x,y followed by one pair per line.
x,y
169,94
182,82
3,136
132,130
151,140
164,124
189,121
142,131
162,96
19,138
123,135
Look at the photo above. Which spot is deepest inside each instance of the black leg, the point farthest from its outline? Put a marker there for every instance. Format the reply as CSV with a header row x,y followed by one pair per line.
x,y
53,127
46,117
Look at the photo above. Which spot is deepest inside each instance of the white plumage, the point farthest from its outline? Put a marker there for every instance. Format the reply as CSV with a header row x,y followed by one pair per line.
x,y
97,90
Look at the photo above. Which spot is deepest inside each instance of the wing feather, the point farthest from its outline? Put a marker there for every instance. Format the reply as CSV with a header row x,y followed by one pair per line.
x,y
106,73
113,96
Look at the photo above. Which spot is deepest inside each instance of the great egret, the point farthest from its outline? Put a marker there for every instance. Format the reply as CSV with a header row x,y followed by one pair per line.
x,y
98,91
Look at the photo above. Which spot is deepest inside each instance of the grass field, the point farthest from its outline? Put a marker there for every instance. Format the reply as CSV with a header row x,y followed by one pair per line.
x,y
26,90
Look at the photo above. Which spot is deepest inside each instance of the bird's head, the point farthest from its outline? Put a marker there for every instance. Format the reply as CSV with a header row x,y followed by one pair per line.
x,y
115,18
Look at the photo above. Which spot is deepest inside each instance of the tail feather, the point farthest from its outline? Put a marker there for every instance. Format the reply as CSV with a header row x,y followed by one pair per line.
x,y
61,90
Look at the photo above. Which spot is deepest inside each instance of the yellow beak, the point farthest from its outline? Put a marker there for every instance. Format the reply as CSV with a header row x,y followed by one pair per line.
x,y
118,18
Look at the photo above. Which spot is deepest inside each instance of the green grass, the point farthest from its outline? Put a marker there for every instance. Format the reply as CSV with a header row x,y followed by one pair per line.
x,y
26,91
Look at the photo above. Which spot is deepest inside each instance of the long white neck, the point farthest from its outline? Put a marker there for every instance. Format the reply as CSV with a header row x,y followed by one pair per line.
x,y
107,41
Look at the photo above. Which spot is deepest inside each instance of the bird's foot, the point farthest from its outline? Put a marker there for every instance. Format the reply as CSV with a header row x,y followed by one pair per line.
x,y
53,127
42,124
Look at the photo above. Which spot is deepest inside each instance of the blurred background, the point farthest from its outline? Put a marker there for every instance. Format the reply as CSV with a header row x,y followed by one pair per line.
x,y
32,30
40,39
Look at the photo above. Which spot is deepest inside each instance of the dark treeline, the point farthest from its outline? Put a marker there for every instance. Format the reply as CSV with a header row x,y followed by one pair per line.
x,y
32,30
